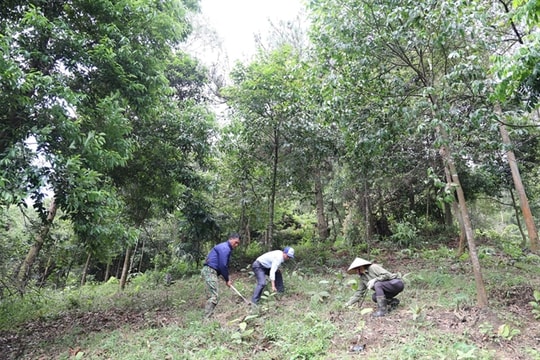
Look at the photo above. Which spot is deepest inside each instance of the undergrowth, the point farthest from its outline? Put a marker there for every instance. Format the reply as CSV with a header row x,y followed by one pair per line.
x,y
437,317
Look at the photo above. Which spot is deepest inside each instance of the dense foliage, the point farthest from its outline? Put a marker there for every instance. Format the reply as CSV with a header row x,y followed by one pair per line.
x,y
380,122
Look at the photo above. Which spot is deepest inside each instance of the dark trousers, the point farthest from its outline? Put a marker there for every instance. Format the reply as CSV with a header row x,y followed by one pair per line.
x,y
387,288
260,274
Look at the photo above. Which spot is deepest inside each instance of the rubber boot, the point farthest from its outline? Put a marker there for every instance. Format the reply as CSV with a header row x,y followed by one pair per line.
x,y
209,309
381,306
392,304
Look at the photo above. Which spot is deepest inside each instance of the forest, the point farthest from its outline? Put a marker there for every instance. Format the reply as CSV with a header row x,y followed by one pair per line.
x,y
405,132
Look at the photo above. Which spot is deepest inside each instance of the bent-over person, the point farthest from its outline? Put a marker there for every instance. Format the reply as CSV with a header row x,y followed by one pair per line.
x,y
268,264
385,285
216,264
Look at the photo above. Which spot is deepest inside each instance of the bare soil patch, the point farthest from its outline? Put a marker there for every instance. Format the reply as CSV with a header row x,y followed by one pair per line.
x,y
28,341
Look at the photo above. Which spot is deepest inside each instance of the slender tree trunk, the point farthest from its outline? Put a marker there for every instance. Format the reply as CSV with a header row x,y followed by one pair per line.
x,y
428,209
118,273
367,214
518,221
247,233
65,275
142,255
523,200
455,208
132,258
48,269
125,269
338,216
448,217
447,156
107,272
462,235
24,271
243,221
322,223
334,227
85,269
270,232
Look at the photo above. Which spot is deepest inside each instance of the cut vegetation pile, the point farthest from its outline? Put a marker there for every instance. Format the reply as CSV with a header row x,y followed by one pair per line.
x,y
437,317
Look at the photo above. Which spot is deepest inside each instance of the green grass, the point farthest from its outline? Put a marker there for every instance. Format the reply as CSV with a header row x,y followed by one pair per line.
x,y
436,319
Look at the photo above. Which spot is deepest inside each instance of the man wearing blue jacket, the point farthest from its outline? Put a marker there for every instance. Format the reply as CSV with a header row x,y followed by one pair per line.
x,y
216,264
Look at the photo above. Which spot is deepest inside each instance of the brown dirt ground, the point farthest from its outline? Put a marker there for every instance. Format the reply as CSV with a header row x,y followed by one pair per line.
x,y
28,340
379,332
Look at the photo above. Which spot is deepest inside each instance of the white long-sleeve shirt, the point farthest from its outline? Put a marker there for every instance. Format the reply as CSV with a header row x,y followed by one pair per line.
x,y
271,260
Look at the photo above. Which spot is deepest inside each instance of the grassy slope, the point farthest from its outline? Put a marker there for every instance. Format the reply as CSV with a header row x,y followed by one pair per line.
x,y
437,318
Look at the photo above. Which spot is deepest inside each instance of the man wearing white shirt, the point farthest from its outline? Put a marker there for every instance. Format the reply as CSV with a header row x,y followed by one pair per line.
x,y
268,264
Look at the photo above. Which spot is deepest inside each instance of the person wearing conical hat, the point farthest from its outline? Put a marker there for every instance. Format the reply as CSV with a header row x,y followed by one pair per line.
x,y
385,285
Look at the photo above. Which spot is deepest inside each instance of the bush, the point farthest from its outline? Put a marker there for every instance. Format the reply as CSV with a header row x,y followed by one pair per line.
x,y
404,233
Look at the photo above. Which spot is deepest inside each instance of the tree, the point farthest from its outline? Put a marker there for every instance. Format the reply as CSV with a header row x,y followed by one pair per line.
x,y
266,97
78,77
164,174
313,140
409,68
519,82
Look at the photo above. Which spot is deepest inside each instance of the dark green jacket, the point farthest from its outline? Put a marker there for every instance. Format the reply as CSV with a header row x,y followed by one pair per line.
x,y
374,271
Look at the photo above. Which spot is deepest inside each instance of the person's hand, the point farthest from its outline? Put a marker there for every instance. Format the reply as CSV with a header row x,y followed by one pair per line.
x,y
229,283
274,289
371,283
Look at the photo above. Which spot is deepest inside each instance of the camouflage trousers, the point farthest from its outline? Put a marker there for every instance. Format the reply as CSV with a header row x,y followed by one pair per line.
x,y
211,279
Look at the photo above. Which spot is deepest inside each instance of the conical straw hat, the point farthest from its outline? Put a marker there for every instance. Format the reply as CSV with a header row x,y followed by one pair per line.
x,y
356,264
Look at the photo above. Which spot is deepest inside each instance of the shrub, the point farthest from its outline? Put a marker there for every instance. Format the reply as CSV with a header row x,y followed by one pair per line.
x,y
404,233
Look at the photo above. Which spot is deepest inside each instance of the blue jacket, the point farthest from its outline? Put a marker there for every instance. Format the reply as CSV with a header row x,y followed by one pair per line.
x,y
218,259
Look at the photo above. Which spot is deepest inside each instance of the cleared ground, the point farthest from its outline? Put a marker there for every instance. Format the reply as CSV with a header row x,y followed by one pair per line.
x,y
437,319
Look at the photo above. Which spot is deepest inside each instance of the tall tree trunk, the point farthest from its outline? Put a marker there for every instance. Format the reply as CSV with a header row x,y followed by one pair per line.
x,y
107,271
447,156
142,255
65,275
335,228
118,273
455,208
247,233
49,268
367,214
24,271
523,200
462,235
322,223
518,221
85,269
448,217
132,259
125,269
243,222
273,187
